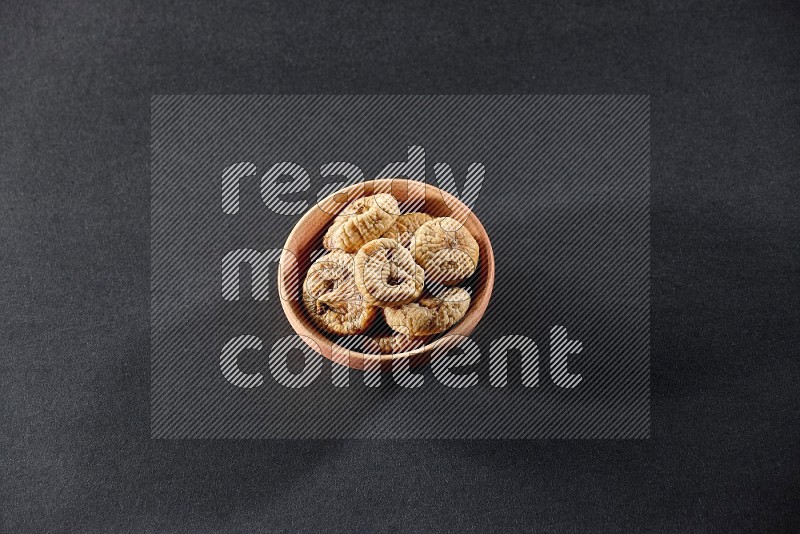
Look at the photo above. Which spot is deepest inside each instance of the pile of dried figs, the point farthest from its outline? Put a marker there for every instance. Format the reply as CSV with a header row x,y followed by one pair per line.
x,y
382,262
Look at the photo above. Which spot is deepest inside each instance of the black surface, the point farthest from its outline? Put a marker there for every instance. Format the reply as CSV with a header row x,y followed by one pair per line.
x,y
565,202
75,89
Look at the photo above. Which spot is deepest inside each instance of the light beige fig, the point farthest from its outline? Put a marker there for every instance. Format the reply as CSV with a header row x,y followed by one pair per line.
x,y
331,298
386,274
362,221
404,227
394,343
446,250
430,315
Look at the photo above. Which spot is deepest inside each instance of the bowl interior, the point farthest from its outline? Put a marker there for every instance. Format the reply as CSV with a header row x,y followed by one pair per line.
x,y
305,242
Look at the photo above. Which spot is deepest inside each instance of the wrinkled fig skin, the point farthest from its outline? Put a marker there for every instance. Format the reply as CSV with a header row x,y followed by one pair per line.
x,y
394,344
446,250
331,298
362,221
379,258
386,274
430,315
404,227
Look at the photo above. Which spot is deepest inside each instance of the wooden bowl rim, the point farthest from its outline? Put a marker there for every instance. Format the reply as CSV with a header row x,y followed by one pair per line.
x,y
321,344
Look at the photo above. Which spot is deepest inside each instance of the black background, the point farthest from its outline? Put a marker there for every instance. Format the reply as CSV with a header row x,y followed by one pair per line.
x,y
74,125
565,201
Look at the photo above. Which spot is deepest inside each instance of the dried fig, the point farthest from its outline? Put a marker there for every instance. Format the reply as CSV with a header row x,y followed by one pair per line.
x,y
331,297
362,221
430,315
394,344
404,227
446,250
386,274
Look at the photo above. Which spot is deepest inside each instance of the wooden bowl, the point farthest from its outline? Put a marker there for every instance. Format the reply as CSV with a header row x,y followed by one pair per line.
x,y
306,238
